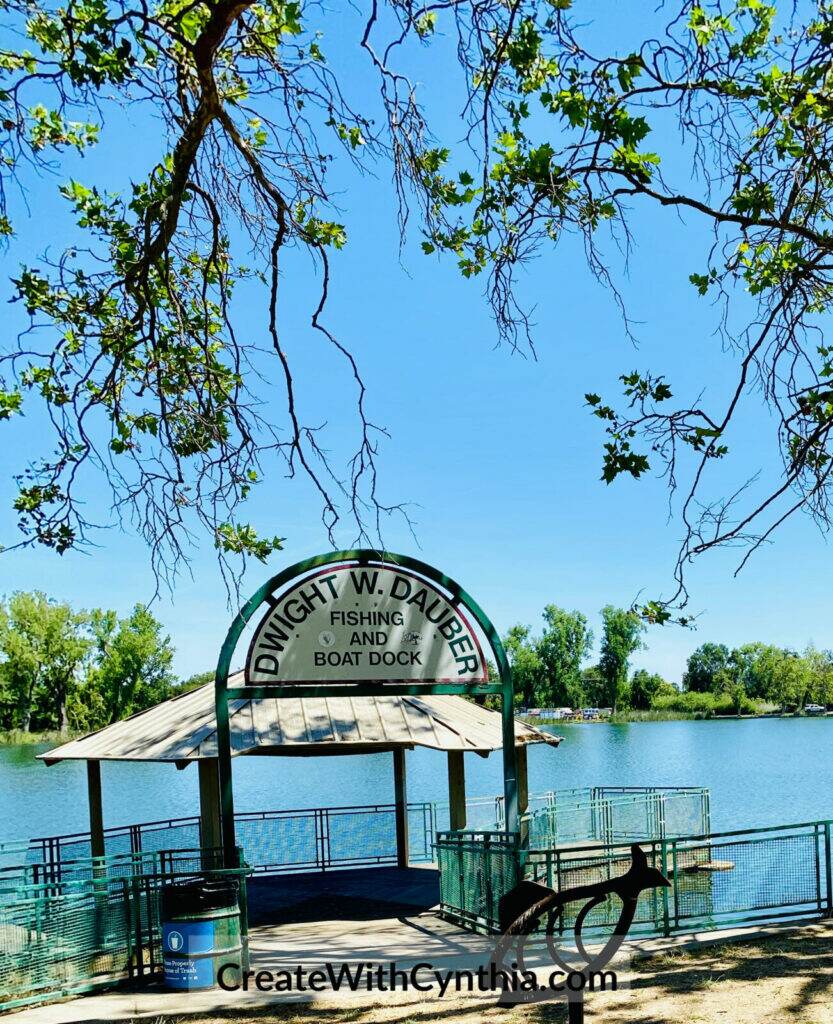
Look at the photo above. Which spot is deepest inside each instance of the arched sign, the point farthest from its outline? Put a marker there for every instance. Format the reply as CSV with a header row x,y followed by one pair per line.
x,y
362,623
351,623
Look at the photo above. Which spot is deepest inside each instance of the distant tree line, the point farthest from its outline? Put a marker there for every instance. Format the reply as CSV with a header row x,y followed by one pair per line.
x,y
756,674
62,669
547,667
549,670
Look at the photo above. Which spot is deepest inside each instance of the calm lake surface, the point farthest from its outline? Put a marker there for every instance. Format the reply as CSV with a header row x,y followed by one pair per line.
x,y
759,771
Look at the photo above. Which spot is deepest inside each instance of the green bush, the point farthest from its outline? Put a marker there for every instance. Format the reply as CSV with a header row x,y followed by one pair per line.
x,y
705,704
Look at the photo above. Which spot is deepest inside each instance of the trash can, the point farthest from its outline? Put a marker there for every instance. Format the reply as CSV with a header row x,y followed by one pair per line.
x,y
200,933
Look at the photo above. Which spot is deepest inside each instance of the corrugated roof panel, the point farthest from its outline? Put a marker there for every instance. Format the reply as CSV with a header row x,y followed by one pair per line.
x,y
183,728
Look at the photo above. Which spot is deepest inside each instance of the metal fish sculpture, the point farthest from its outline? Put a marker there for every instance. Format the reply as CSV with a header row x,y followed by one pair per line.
x,y
522,910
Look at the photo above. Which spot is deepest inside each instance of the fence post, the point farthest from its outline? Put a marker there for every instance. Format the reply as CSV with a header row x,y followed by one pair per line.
x,y
137,925
486,874
244,908
666,921
461,875
828,872
128,928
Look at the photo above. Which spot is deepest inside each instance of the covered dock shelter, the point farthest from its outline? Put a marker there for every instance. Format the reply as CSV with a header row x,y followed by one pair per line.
x,y
183,730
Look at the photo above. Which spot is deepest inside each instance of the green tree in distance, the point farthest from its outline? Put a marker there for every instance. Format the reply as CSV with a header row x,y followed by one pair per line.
x,y
645,687
593,686
132,662
703,667
135,359
622,636
564,644
523,656
43,649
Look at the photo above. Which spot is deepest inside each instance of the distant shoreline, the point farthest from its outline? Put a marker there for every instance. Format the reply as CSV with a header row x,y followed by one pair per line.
x,y
628,717
19,738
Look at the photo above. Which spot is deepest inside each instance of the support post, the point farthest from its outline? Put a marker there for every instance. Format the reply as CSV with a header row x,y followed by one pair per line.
x,y
510,769
523,791
95,806
400,787
575,1007
224,753
456,790
97,849
211,836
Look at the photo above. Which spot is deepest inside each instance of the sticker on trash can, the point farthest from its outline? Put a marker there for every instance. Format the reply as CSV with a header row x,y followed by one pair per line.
x,y
189,973
188,937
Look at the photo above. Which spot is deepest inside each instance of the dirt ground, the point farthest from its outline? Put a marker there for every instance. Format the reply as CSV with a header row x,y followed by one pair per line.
x,y
788,977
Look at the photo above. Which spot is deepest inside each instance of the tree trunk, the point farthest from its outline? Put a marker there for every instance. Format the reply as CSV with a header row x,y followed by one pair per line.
x,y
26,709
63,722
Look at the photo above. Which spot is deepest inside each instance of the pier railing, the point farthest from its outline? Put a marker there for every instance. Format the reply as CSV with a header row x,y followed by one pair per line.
x,y
306,839
718,880
98,926
328,838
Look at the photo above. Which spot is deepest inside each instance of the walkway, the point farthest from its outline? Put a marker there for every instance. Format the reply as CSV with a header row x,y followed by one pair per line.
x,y
373,915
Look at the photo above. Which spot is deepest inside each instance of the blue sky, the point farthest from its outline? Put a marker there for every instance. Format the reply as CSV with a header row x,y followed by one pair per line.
x,y
497,453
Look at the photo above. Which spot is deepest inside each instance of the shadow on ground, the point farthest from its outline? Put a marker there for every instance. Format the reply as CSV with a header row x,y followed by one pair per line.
x,y
788,976
359,895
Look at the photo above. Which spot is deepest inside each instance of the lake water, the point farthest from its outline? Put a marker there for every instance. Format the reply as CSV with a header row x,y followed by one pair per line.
x,y
759,771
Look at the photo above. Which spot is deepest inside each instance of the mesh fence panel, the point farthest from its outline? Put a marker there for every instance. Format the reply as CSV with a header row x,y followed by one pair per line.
x,y
722,878
61,941
77,934
615,816
421,829
476,869
562,870
280,842
362,836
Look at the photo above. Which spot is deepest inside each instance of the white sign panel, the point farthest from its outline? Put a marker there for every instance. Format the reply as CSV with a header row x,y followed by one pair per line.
x,y
352,623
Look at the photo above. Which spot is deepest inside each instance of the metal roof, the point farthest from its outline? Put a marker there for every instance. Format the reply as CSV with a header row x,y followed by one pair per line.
x,y
183,728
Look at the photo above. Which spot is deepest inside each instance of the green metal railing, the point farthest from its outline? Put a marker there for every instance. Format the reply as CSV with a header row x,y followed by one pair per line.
x,y
307,839
718,880
95,929
618,814
325,838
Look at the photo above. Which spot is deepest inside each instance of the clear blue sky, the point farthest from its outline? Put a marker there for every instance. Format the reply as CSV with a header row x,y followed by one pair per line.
x,y
496,452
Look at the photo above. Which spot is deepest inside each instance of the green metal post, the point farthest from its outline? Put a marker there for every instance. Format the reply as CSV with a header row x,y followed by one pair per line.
x,y
226,782
510,761
666,917
486,875
244,908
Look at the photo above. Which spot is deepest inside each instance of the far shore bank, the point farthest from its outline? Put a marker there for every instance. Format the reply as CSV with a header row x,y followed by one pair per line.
x,y
628,717
20,738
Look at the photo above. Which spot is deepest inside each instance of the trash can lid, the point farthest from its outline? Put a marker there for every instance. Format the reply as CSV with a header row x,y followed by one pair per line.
x,y
195,897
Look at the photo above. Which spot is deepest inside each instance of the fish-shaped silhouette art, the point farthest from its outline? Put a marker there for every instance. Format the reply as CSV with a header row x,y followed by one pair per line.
x,y
522,910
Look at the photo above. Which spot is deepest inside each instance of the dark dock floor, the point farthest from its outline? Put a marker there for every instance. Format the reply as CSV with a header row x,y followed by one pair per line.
x,y
361,894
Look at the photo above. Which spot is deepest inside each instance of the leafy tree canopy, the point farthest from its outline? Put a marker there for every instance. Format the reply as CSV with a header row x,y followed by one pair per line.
x,y
133,353
645,687
622,636
704,664
564,644
61,668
